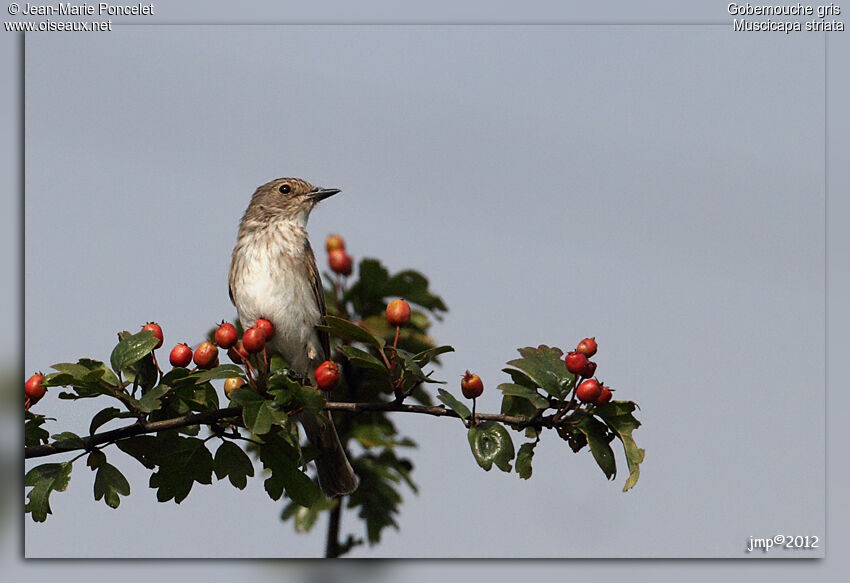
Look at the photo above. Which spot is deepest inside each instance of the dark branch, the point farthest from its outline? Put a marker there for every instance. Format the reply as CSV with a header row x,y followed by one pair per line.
x,y
438,411
210,417
138,428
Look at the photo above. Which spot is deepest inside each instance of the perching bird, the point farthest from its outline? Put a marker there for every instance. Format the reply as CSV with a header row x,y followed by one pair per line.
x,y
273,275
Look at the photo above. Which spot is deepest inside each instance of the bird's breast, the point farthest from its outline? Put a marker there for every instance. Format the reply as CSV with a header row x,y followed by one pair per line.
x,y
269,280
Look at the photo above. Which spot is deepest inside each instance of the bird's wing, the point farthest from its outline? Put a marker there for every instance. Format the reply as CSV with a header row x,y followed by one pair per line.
x,y
318,295
230,278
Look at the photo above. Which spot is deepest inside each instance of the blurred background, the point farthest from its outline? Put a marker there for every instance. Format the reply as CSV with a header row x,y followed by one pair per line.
x,y
661,188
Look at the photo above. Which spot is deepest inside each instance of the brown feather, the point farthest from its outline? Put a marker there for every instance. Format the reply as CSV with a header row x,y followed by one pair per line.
x,y
318,294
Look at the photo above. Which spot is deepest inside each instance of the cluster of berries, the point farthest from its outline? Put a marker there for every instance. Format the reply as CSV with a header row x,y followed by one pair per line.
x,y
205,356
339,261
578,362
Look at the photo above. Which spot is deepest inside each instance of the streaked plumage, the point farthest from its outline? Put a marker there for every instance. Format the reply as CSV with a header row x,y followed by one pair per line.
x,y
273,275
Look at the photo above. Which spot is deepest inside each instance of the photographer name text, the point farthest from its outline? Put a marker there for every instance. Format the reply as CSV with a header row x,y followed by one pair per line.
x,y
85,9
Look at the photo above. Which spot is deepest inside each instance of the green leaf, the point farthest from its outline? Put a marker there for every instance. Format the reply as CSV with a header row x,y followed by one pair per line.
x,y
44,480
151,399
377,497
379,435
452,403
305,518
86,371
421,396
110,484
413,372
76,370
68,439
224,371
363,359
351,332
288,393
131,348
520,378
57,379
545,367
572,436
144,373
96,459
107,376
177,377
182,461
367,292
202,398
86,377
618,416
530,395
105,416
245,396
309,398
516,406
234,463
34,433
145,448
277,456
276,363
523,459
413,286
260,416
426,356
598,438
491,444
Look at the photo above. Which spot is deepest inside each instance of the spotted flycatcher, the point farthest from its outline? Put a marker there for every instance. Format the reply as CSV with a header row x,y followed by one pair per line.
x,y
273,275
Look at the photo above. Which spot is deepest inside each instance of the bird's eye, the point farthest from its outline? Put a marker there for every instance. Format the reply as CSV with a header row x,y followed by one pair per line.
x,y
284,188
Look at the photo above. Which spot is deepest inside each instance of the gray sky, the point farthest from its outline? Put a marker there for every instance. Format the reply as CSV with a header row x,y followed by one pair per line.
x,y
661,188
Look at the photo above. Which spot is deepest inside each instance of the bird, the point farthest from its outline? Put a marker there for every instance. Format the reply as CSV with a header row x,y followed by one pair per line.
x,y
273,275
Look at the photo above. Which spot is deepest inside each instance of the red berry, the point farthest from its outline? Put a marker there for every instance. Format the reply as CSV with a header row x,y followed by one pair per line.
x,y
604,396
335,243
206,355
231,384
226,335
33,389
588,391
181,355
327,375
340,262
587,347
398,313
589,370
157,332
266,326
471,385
576,362
237,353
254,340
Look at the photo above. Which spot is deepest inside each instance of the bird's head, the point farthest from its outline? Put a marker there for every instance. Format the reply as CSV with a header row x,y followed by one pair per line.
x,y
288,198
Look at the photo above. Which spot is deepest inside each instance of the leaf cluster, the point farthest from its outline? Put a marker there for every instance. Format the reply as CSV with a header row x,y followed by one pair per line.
x,y
381,365
541,396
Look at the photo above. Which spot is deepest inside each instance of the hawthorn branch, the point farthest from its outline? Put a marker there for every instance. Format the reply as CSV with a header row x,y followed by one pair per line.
x,y
440,411
210,417
139,428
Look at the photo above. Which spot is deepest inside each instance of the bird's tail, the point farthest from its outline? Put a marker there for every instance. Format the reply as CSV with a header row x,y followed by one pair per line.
x,y
336,477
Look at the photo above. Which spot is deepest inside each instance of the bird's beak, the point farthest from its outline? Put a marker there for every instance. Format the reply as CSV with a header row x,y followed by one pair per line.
x,y
322,193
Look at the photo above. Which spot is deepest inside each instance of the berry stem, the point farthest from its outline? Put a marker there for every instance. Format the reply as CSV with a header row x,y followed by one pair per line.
x,y
156,364
249,370
395,340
